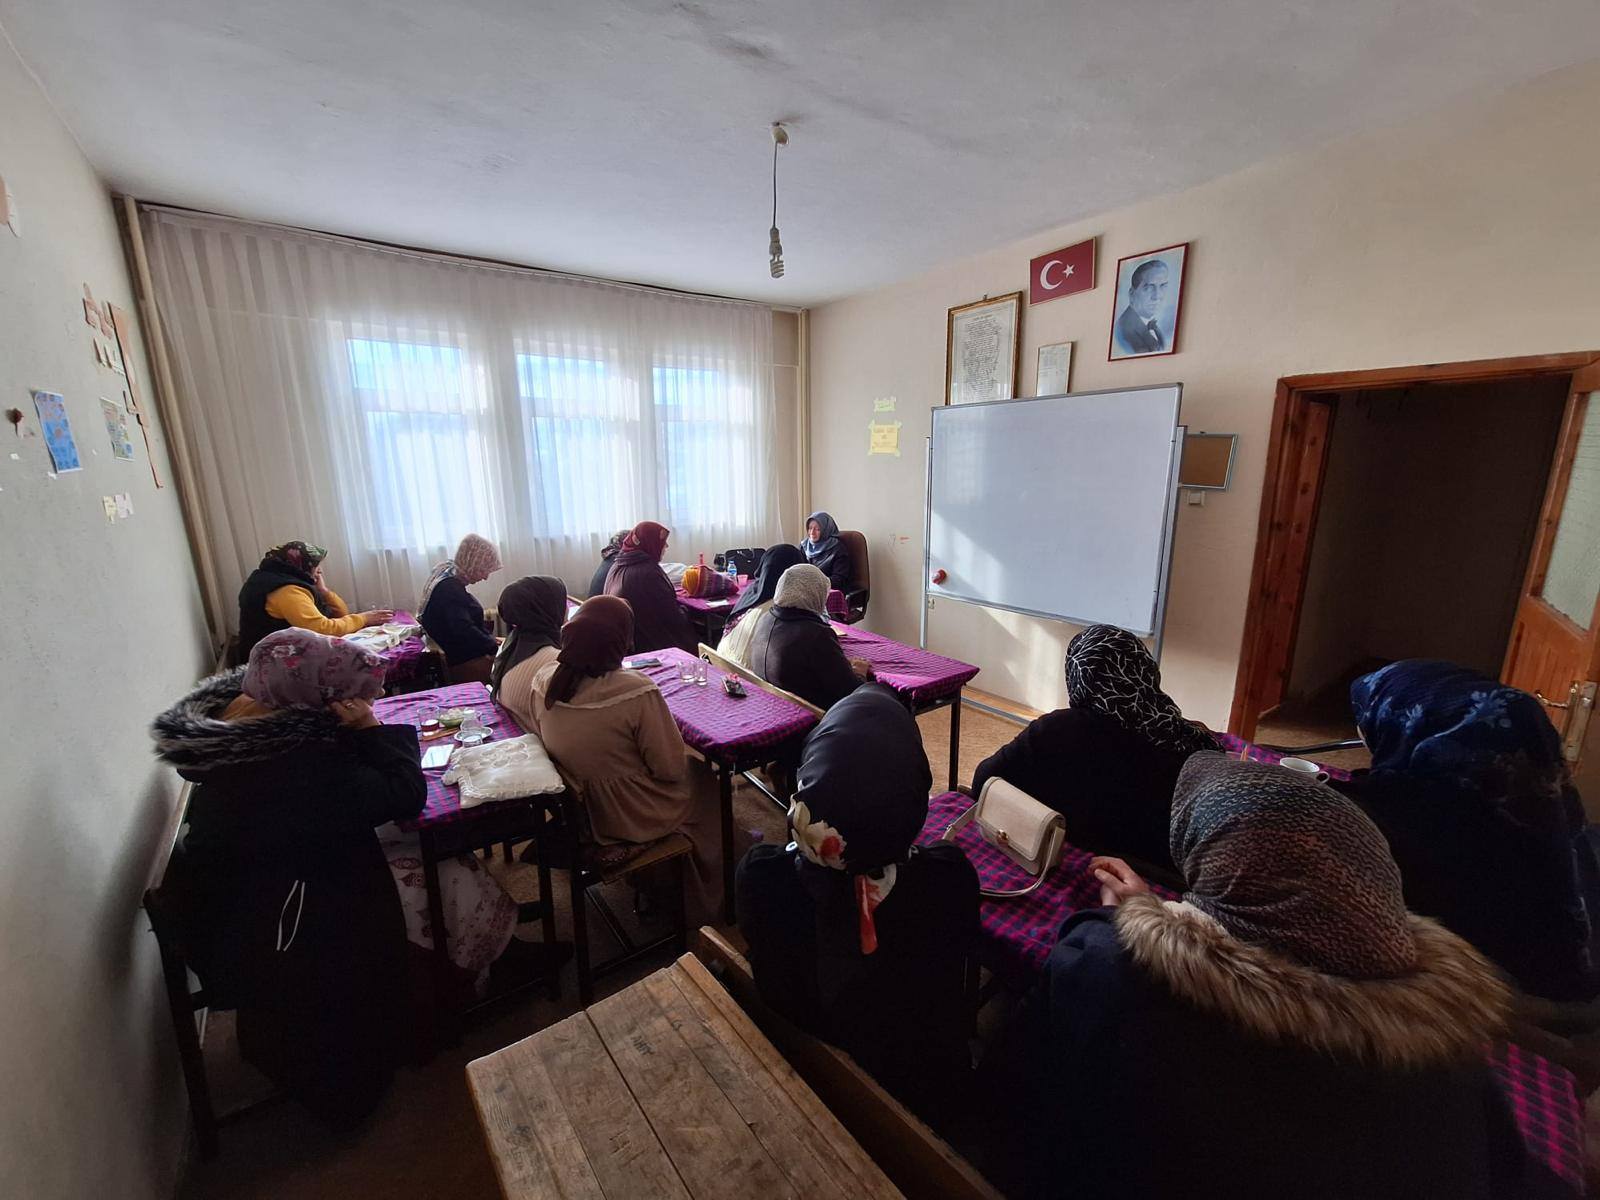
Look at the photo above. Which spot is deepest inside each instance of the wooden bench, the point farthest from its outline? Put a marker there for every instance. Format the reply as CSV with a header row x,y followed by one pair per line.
x,y
917,1160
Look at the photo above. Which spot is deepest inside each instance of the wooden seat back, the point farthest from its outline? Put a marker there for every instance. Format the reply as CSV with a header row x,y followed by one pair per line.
x,y
917,1160
730,667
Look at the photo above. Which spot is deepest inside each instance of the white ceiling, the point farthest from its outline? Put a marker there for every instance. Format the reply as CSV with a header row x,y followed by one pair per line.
x,y
628,138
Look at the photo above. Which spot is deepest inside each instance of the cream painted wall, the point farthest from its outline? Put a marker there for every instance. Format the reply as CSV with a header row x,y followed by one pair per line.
x,y
1472,233
101,629
786,396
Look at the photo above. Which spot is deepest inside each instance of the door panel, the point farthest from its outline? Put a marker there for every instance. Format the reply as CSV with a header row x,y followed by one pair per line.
x,y
1554,651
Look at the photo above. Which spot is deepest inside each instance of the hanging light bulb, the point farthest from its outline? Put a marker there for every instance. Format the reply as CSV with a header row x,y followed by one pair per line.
x,y
780,137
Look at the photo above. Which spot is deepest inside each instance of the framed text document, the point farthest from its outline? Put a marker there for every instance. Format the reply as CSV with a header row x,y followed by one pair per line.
x,y
982,341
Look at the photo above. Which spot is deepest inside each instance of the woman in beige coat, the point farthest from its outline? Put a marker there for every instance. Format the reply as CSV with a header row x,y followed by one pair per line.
x,y
610,731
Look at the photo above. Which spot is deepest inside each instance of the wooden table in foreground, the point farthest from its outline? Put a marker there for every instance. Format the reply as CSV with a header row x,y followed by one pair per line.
x,y
665,1089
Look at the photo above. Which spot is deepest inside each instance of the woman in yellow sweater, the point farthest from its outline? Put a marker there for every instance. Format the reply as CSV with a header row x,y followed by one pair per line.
x,y
288,589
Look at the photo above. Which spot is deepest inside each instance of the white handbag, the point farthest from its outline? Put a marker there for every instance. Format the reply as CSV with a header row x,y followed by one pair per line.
x,y
1030,834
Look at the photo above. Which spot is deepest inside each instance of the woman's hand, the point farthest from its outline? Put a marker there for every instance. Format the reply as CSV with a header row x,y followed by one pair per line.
x,y
317,581
1117,879
354,714
377,616
863,669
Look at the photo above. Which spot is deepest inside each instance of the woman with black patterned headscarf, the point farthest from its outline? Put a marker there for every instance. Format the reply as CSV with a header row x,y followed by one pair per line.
x,y
1108,762
1287,1028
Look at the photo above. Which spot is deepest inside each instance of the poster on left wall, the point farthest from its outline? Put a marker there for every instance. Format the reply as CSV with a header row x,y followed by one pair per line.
x,y
52,410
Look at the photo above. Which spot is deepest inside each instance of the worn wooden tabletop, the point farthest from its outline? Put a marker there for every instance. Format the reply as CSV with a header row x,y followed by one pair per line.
x,y
665,1089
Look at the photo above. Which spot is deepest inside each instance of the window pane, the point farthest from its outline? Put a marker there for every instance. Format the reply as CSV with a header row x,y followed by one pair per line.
x,y
1572,580
583,443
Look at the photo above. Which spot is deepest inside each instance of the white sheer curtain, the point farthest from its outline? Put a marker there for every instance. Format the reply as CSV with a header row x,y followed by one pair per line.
x,y
382,403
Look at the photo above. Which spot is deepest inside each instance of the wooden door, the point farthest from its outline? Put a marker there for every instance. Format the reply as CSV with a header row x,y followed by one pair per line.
x,y
1554,651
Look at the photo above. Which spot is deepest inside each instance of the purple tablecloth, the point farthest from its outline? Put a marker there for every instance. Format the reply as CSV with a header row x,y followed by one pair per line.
x,y
1240,748
444,803
401,660
1544,1099
721,726
918,675
697,607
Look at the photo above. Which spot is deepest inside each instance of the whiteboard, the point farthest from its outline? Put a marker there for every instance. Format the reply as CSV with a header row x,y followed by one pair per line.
x,y
1060,506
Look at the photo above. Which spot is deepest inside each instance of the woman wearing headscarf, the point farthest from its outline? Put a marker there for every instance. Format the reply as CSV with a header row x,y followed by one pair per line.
x,y
794,647
1108,762
287,591
756,600
296,920
825,551
608,555
637,577
858,935
613,736
1286,1029
1469,785
534,609
452,615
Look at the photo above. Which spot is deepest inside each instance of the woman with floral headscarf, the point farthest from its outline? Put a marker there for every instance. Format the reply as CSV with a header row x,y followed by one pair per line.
x,y
1469,785
297,918
287,591
1109,761
1287,1028
636,575
452,615
858,935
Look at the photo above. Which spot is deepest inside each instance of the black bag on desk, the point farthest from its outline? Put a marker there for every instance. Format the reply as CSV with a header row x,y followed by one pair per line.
x,y
743,562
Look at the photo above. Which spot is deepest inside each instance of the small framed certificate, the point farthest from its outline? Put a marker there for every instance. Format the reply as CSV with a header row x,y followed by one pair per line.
x,y
1055,370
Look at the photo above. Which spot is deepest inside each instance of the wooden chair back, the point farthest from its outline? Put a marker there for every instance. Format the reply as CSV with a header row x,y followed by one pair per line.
x,y
917,1160
730,667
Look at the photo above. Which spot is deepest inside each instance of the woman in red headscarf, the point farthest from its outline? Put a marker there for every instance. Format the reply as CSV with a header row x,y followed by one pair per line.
x,y
613,736
636,576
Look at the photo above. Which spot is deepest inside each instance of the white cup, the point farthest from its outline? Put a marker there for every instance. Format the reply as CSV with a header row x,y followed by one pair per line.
x,y
1306,767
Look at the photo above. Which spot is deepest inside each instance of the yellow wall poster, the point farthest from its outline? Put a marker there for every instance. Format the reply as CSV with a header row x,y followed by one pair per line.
x,y
884,438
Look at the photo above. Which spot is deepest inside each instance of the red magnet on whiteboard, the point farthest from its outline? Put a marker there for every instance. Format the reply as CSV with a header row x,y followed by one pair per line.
x,y
940,576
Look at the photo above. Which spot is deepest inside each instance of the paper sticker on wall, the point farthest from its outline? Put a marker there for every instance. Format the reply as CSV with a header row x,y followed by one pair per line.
x,y
8,209
117,429
884,438
52,411
884,404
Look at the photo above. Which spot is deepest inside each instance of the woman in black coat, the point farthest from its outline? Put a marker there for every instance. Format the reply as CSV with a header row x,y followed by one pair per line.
x,y
452,615
857,935
295,920
659,621
597,582
1109,762
1287,1029
794,647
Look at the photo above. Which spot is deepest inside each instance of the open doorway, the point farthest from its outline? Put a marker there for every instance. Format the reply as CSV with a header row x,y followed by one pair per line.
x,y
1407,512
1430,501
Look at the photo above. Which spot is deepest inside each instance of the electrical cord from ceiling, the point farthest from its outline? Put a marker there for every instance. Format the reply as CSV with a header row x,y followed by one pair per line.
x,y
780,137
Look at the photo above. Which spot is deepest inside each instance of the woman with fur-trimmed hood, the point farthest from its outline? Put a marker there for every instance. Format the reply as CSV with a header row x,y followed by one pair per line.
x,y
1286,1029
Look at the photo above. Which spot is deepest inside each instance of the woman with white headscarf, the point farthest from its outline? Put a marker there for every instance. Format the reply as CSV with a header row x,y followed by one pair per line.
x,y
795,648
452,615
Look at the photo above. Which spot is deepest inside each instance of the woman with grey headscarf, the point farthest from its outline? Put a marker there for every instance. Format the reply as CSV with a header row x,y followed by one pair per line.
x,y
1287,1028
795,648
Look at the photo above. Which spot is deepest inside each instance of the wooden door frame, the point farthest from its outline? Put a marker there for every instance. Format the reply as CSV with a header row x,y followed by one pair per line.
x,y
1291,494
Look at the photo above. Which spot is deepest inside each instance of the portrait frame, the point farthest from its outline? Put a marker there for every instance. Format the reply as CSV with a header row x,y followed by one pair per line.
x,y
965,320
1176,258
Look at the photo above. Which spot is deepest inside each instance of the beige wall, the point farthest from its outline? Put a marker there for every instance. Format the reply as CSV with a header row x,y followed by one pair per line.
x,y
786,395
1470,234
1429,506
102,628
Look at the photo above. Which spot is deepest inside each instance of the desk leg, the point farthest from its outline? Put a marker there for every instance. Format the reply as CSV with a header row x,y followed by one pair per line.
x,y
725,773
445,1014
955,740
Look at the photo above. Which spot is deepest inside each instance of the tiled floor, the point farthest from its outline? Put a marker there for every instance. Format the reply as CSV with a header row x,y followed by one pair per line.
x,y
424,1141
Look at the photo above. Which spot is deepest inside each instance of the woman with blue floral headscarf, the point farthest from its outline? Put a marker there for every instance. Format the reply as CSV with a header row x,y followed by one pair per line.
x,y
1469,785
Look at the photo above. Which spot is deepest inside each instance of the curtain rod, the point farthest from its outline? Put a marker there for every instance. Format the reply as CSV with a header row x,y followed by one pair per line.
x,y
492,264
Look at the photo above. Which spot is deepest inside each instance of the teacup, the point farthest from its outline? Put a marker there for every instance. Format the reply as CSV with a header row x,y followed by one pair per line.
x,y
1306,767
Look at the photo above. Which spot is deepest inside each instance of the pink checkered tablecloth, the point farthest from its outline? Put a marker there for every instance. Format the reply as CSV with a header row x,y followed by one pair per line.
x,y
918,675
1544,1099
696,606
401,661
444,803
721,726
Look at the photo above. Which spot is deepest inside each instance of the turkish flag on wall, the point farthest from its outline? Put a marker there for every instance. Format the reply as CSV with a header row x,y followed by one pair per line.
x,y
1061,272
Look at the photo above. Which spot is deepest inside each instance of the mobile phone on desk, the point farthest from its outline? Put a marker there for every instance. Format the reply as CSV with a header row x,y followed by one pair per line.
x,y
633,664
731,685
437,756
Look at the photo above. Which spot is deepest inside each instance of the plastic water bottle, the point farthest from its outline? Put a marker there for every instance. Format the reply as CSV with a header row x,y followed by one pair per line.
x,y
733,574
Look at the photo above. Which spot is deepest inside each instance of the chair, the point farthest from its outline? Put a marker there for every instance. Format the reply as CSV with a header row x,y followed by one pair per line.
x,y
860,576
567,844
166,906
916,1160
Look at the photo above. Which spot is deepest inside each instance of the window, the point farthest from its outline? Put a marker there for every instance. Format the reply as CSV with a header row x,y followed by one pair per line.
x,y
707,441
424,416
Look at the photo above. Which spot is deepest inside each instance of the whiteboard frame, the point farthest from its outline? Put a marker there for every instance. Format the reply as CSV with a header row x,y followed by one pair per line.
x,y
1168,526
